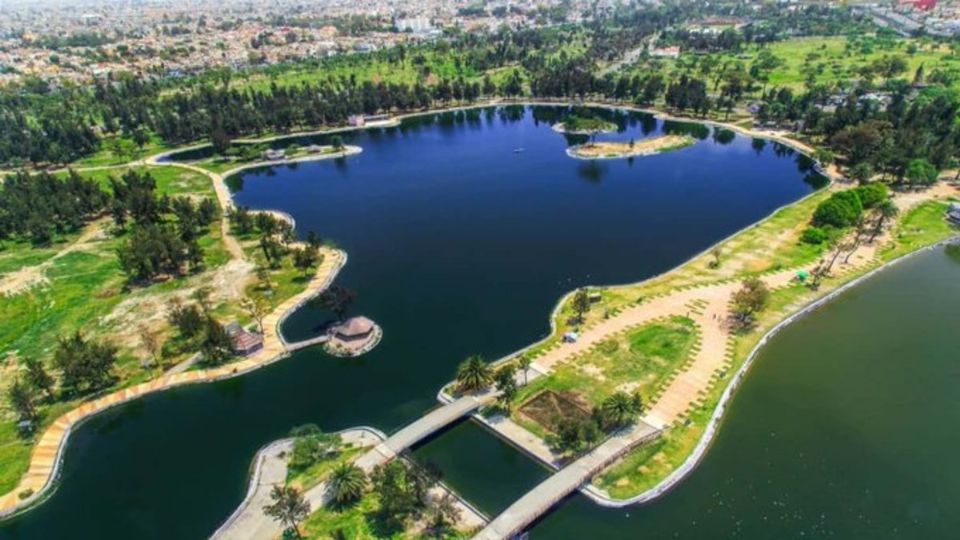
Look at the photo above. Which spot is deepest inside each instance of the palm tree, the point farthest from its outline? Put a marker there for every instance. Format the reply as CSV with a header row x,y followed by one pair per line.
x,y
620,409
885,210
524,362
289,507
474,374
347,483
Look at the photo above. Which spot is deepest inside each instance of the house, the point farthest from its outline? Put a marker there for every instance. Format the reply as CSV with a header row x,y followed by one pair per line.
x,y
243,342
353,329
356,120
274,154
953,213
666,52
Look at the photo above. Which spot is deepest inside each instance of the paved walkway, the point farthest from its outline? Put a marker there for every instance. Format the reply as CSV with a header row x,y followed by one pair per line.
x,y
708,306
45,459
541,498
249,522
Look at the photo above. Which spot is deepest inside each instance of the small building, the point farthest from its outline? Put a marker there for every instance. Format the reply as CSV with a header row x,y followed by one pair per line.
x,y
243,342
314,149
953,213
665,52
354,329
356,120
274,154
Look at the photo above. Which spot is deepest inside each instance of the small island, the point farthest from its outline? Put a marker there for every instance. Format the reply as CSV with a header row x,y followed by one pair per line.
x,y
353,337
584,125
615,150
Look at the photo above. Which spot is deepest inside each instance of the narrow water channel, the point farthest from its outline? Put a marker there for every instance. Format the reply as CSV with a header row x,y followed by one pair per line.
x,y
462,231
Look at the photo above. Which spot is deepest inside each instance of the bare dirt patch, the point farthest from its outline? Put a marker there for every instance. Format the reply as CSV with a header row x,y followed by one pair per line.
x,y
548,408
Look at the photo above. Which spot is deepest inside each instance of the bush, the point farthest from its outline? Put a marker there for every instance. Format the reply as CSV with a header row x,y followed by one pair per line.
x,y
814,235
872,194
840,210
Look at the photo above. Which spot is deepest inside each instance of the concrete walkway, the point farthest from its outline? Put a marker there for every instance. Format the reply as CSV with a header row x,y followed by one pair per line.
x,y
552,490
249,522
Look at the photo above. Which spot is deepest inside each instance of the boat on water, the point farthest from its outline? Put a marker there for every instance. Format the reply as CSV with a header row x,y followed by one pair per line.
x,y
518,150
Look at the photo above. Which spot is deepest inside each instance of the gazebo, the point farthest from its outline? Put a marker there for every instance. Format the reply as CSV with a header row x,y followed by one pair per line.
x,y
354,329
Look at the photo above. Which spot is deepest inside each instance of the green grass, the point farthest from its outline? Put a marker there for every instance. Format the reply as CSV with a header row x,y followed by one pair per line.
x,y
82,287
171,180
106,156
357,522
921,226
318,472
642,358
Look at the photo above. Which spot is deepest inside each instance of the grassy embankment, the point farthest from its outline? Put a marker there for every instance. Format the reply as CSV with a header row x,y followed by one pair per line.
x,y
79,285
771,245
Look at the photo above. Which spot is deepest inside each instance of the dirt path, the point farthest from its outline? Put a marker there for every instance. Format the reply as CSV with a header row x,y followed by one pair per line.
x,y
30,276
708,307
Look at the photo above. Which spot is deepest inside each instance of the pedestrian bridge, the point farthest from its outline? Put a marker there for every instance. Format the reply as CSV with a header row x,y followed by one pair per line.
x,y
540,499
427,425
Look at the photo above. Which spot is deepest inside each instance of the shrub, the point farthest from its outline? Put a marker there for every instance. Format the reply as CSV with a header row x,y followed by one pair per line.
x,y
814,235
872,194
840,210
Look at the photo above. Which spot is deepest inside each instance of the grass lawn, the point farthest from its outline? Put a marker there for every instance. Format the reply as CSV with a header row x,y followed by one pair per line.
x,y
108,156
921,226
82,289
639,360
646,466
316,473
357,522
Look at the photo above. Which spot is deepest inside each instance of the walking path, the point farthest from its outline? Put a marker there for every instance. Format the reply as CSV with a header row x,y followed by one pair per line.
x,y
685,391
541,498
249,522
46,457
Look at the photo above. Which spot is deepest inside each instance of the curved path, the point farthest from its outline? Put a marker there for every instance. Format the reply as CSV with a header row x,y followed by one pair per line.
x,y
708,306
270,469
47,452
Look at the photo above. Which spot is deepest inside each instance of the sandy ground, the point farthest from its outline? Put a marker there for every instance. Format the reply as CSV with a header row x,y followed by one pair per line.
x,y
622,150
30,276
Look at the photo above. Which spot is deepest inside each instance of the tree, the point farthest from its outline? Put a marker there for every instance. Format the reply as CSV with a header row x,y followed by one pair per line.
x,y
443,515
506,381
886,210
150,341
217,346
581,304
402,493
86,365
842,209
220,141
38,377
573,434
474,374
258,308
620,410
263,278
304,259
188,319
750,299
524,363
310,445
347,484
288,507
337,142
336,299
21,400
921,172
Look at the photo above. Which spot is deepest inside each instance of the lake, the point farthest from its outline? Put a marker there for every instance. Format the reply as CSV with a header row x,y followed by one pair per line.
x,y
463,230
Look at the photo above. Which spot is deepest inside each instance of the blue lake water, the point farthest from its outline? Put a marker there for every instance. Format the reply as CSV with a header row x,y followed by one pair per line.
x,y
459,243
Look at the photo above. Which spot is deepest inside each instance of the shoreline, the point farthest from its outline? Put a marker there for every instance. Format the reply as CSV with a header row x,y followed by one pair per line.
x,y
11,505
